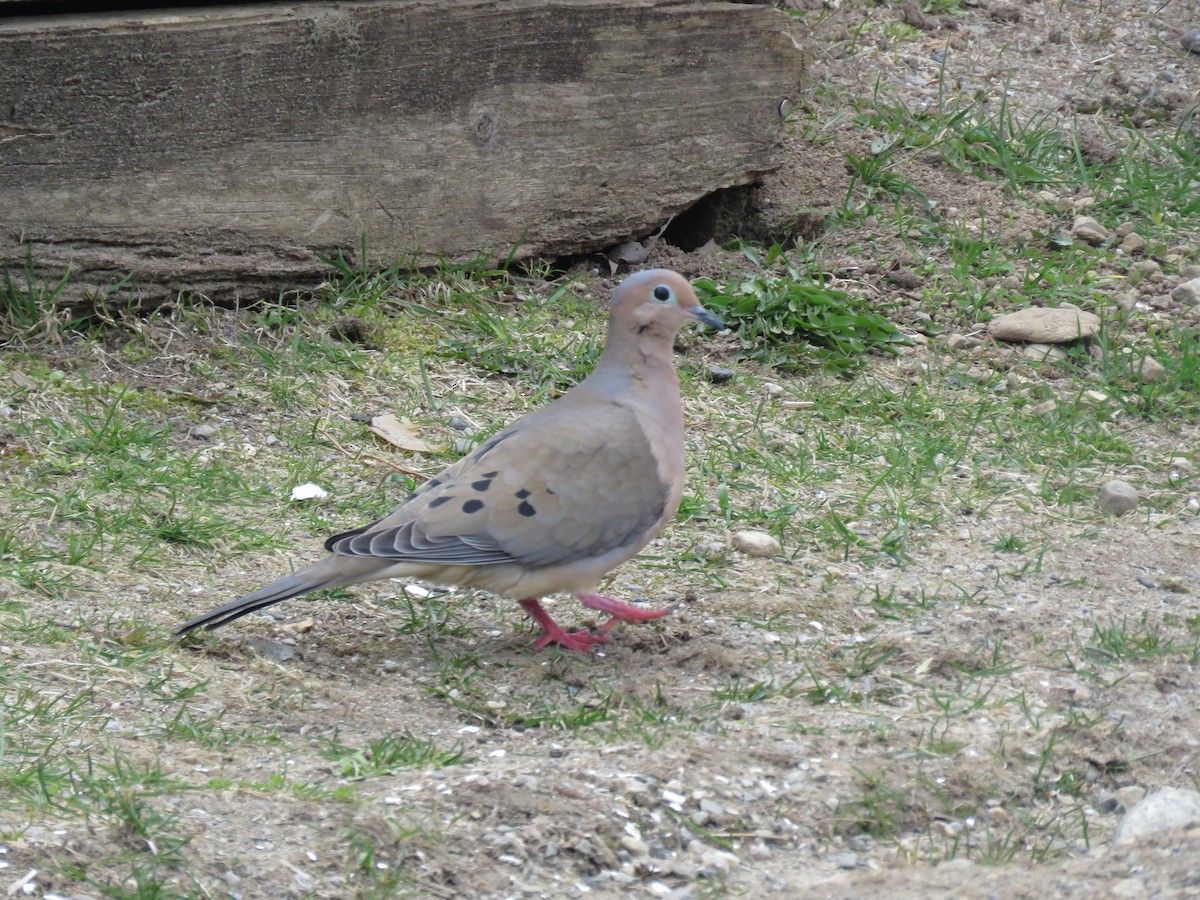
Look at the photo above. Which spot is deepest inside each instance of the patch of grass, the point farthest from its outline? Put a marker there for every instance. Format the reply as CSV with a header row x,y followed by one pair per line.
x,y
740,690
790,322
375,853
1119,641
1152,180
28,302
387,754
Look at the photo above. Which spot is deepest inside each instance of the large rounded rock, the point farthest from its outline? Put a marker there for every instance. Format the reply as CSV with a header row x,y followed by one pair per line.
x,y
1165,810
1043,325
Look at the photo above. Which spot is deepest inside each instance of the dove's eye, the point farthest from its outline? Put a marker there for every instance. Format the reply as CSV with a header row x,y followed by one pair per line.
x,y
663,294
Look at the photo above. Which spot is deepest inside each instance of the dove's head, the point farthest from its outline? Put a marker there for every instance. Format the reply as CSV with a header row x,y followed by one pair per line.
x,y
658,302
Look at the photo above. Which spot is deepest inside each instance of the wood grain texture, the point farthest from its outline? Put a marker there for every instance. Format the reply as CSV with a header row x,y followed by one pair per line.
x,y
218,150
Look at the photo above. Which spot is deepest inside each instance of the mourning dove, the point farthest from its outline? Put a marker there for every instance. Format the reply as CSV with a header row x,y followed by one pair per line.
x,y
551,503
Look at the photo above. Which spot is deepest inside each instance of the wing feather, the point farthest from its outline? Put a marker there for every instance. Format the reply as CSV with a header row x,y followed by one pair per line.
x,y
552,492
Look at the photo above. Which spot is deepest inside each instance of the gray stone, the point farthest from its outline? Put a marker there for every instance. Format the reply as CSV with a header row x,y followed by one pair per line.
x,y
1046,325
1166,810
635,845
204,432
1187,293
718,374
1118,498
961,342
273,650
1127,300
1191,41
1044,352
1133,243
1089,230
1150,369
756,543
1144,270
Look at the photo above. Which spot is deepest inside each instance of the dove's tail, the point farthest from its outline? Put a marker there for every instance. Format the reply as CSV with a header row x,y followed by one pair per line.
x,y
320,575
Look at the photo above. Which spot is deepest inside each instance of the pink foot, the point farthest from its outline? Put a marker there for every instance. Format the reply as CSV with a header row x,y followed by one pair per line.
x,y
574,640
621,612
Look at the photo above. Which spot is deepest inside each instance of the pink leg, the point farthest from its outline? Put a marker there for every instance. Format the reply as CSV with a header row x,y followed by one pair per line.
x,y
575,640
621,612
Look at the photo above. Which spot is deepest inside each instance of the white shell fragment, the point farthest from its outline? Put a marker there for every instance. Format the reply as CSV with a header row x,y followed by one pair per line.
x,y
308,491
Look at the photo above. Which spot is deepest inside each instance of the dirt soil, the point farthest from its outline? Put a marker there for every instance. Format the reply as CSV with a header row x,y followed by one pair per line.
x,y
832,786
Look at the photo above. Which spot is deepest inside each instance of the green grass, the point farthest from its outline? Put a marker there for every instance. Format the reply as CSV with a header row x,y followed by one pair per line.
x,y
28,301
790,321
387,754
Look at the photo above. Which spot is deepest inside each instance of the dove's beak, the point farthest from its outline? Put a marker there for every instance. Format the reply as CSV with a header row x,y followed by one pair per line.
x,y
707,318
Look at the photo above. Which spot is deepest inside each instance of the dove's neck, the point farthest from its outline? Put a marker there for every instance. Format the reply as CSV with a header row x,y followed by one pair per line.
x,y
637,362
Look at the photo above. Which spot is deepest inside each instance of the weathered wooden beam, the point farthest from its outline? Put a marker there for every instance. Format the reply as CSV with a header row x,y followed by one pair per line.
x,y
218,150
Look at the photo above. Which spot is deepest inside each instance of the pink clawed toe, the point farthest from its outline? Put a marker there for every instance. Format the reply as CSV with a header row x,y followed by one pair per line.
x,y
586,640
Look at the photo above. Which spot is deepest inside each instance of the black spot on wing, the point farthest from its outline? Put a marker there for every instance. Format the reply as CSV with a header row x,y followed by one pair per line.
x,y
438,501
521,494
526,509
482,484
471,506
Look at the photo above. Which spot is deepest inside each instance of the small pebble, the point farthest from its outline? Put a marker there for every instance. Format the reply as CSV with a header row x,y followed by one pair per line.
x,y
846,860
204,432
635,845
1150,369
273,650
718,374
1133,243
1118,498
756,543
720,862
1043,352
1143,270
1089,230
1130,796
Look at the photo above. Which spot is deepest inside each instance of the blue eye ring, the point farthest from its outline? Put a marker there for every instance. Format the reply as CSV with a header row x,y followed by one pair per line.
x,y
663,294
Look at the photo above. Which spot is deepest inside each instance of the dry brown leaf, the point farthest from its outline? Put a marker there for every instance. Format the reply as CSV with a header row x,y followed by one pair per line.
x,y
399,433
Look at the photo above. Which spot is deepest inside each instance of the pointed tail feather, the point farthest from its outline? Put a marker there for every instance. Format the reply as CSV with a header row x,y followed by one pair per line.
x,y
315,577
